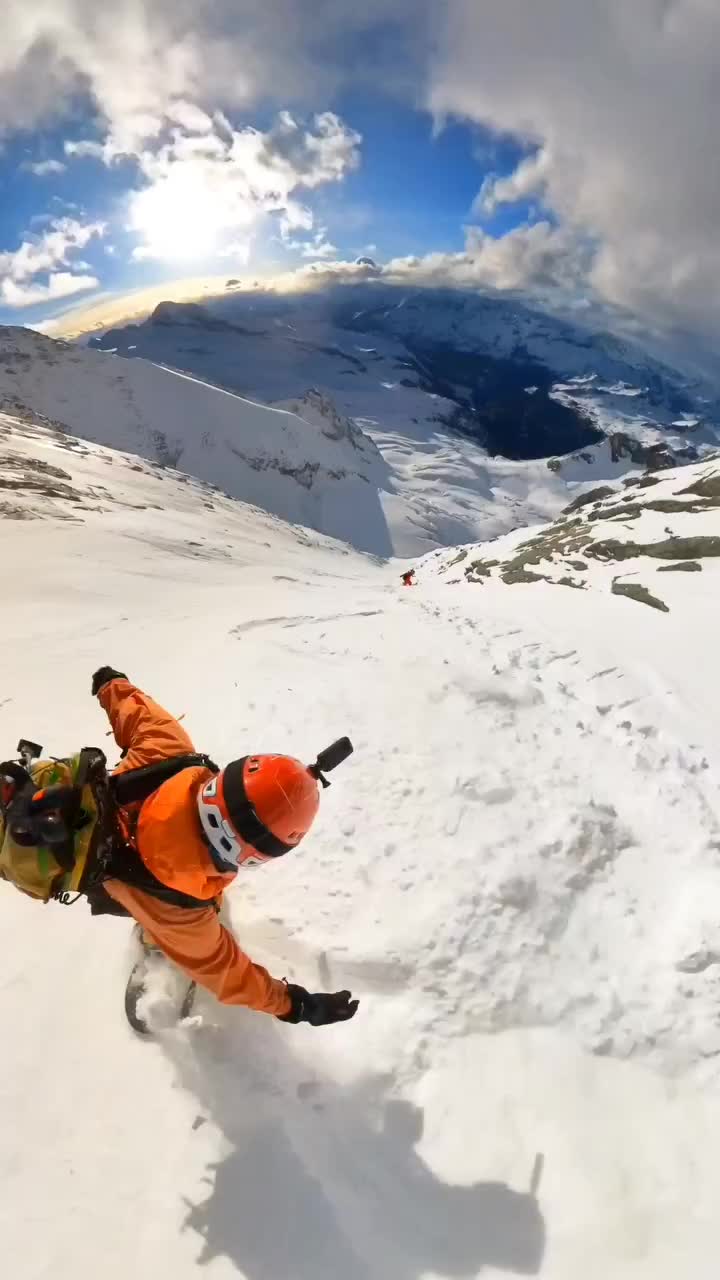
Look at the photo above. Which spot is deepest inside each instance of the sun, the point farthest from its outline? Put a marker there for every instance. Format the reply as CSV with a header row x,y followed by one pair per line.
x,y
183,216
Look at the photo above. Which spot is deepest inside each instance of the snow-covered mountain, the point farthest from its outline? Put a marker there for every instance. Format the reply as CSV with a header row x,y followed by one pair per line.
x,y
517,874
324,475
301,459
484,411
522,383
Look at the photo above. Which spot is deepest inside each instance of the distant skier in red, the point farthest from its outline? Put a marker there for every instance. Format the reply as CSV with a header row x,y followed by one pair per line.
x,y
408,578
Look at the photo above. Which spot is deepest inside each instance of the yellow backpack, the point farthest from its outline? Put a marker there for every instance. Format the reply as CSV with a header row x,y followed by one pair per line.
x,y
53,823
59,831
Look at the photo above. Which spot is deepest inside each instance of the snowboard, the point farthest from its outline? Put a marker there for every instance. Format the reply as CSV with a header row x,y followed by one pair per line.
x,y
177,995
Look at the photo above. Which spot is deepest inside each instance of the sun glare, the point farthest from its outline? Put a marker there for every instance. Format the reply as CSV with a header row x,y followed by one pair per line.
x,y
178,217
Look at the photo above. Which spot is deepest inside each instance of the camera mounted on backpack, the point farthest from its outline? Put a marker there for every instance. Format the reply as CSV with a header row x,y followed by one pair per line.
x,y
44,816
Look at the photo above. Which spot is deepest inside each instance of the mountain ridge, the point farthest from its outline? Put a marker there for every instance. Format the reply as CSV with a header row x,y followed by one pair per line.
x,y
432,337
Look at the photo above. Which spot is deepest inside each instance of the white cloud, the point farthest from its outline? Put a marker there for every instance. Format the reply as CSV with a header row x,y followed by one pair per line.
x,y
43,168
191,118
538,259
527,180
67,206
93,150
319,275
49,250
30,274
204,188
238,251
307,157
139,59
317,247
297,217
622,100
541,261
60,284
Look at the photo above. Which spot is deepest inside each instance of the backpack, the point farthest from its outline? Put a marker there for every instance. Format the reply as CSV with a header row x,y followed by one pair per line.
x,y
59,822
50,823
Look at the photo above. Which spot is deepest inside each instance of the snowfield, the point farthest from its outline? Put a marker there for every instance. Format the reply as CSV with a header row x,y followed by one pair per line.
x,y
300,459
517,872
324,475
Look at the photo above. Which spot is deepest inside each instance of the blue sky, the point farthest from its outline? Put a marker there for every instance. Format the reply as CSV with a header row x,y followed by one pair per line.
x,y
418,185
239,138
411,192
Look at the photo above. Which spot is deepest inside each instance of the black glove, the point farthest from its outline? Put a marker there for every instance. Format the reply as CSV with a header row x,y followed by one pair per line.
x,y
319,1009
104,675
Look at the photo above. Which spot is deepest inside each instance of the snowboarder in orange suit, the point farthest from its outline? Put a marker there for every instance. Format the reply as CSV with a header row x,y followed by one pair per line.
x,y
192,836
408,578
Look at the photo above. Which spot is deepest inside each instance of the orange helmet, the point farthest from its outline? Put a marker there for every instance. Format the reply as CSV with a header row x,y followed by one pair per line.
x,y
257,808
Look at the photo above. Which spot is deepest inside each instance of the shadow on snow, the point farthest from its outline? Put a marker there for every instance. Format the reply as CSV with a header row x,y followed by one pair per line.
x,y
322,1180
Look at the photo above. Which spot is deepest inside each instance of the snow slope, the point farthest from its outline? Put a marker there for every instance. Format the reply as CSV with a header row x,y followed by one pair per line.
x,y
517,872
308,475
646,539
302,459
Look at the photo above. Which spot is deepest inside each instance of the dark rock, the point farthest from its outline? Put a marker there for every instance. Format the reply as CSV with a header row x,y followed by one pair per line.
x,y
636,591
642,482
593,495
686,566
656,457
705,487
517,573
669,549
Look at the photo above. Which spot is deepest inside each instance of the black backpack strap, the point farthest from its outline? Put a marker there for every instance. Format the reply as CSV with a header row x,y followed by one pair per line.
x,y
15,782
13,770
136,785
133,787
126,864
91,766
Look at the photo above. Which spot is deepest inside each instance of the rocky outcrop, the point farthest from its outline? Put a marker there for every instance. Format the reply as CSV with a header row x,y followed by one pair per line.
x,y
692,548
635,591
318,407
607,527
654,457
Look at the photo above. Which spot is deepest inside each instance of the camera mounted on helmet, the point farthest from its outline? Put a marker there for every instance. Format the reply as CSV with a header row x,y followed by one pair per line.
x,y
329,759
260,807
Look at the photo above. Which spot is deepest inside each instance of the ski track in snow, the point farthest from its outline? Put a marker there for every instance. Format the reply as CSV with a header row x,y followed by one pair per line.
x,y
517,873
535,889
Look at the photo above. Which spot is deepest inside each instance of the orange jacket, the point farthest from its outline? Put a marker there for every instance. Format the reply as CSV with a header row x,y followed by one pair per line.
x,y
169,841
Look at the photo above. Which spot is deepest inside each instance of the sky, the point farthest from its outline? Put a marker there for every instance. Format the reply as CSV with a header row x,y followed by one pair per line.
x,y
564,150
